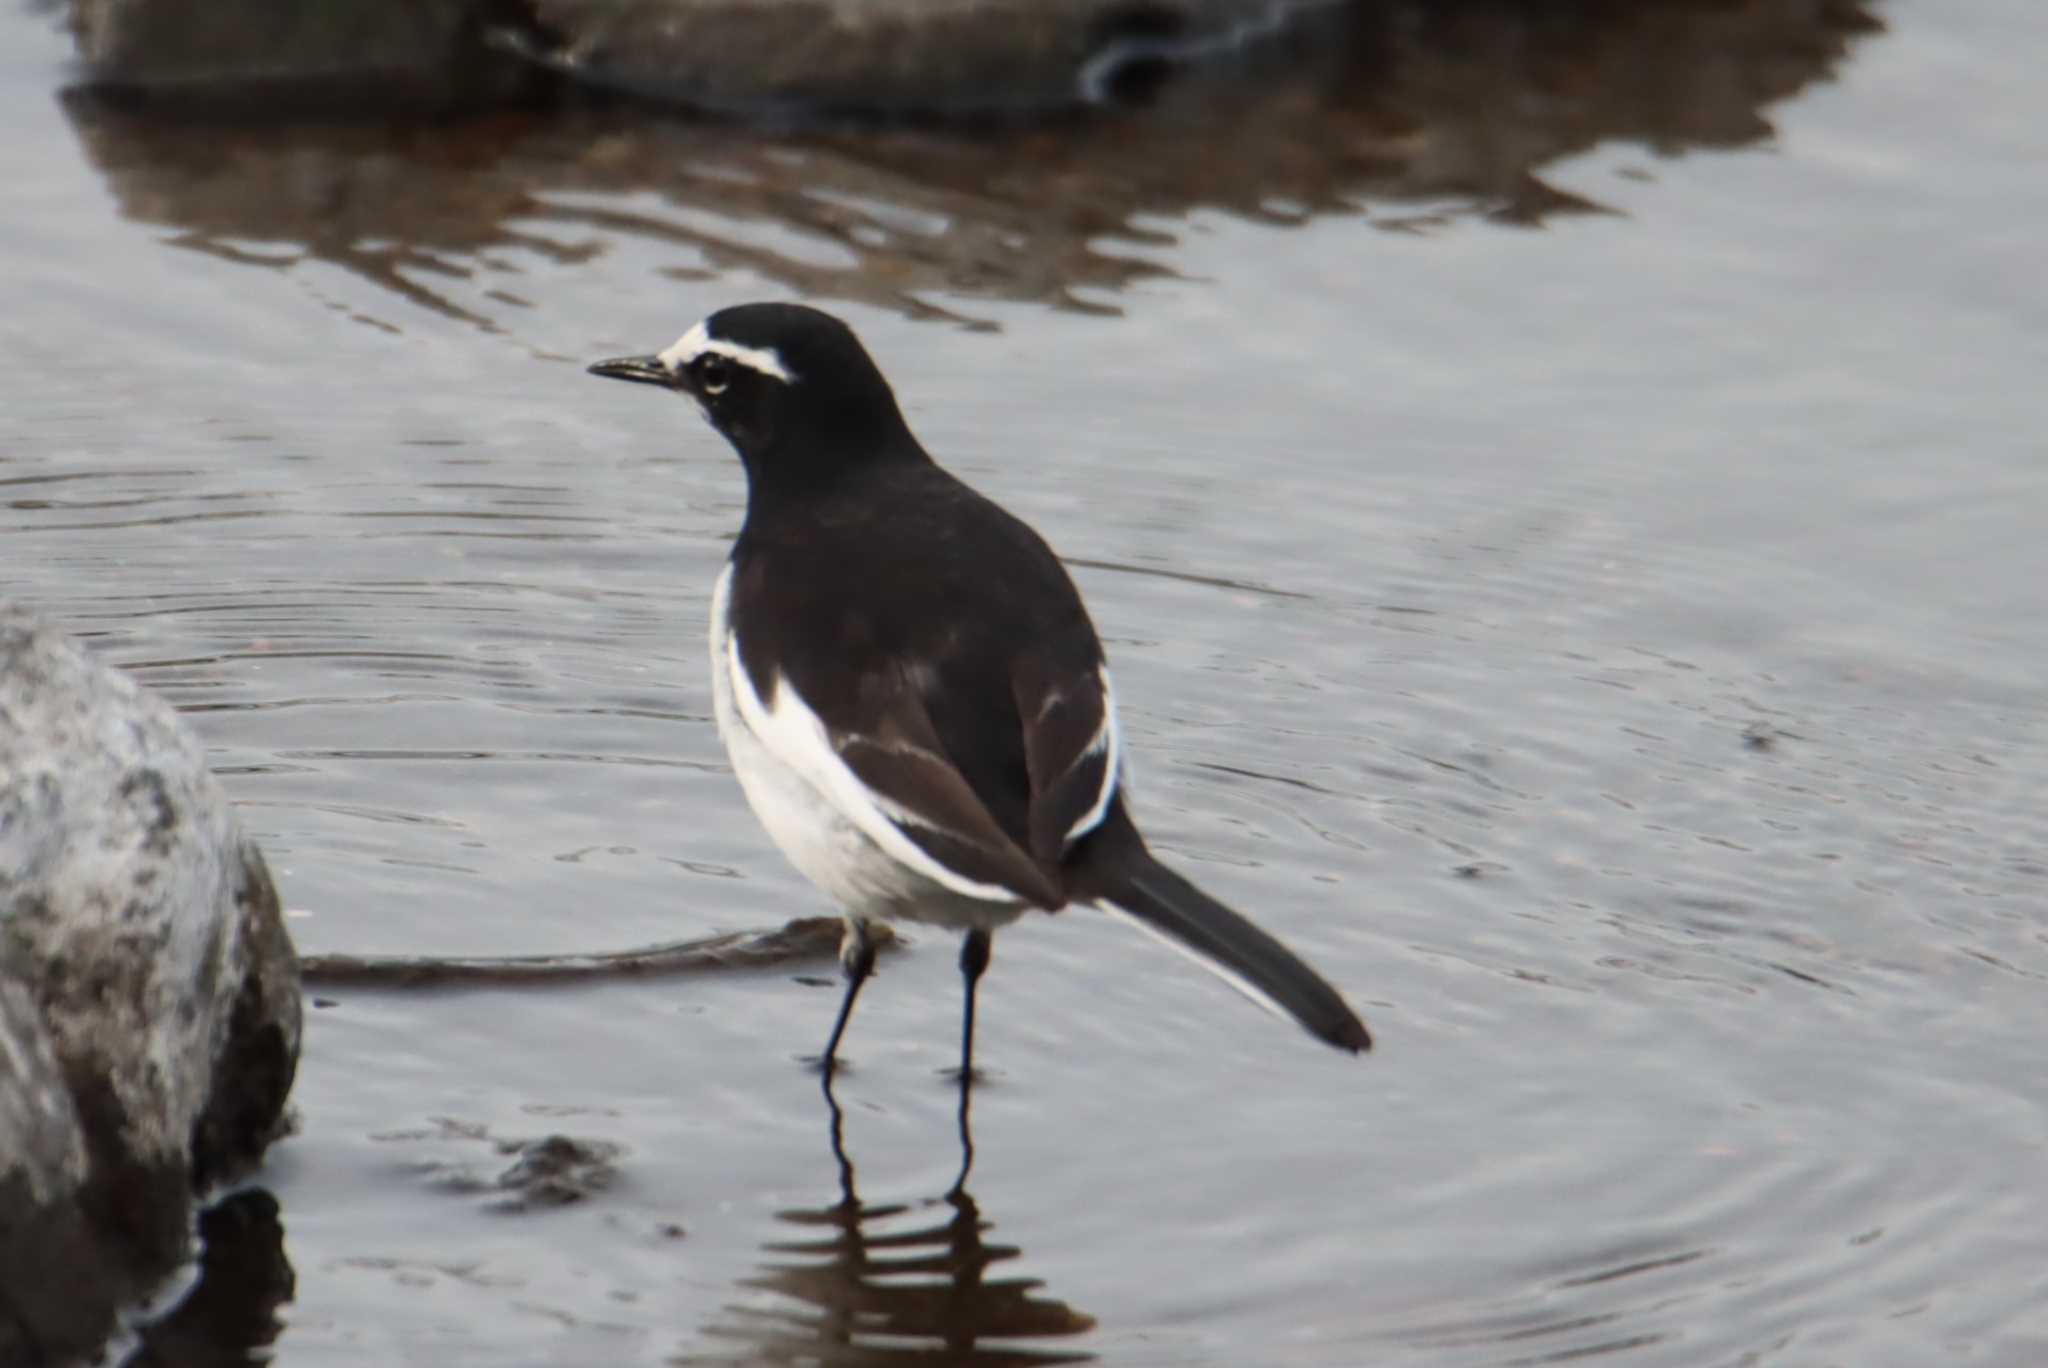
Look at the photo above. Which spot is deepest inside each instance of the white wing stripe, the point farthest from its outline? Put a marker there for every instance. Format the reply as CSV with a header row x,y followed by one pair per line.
x,y
796,736
1108,742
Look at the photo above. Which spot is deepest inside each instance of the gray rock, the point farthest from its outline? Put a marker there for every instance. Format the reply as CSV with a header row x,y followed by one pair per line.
x,y
149,1005
45,1148
44,1240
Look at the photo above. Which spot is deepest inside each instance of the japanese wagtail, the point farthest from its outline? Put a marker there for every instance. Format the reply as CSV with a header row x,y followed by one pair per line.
x,y
913,698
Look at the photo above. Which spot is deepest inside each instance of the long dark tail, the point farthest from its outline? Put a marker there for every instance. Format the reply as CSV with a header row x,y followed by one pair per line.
x,y
1126,880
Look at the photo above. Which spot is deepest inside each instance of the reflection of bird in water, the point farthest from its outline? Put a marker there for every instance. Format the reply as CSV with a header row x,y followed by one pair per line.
x,y
894,1285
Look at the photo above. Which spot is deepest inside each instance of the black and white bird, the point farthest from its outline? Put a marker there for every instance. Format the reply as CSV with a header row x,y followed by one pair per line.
x,y
910,691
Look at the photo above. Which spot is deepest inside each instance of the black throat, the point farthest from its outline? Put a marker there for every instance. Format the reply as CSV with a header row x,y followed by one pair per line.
x,y
823,454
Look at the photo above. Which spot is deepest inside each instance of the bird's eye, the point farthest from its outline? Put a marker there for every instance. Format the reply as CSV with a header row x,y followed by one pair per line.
x,y
714,373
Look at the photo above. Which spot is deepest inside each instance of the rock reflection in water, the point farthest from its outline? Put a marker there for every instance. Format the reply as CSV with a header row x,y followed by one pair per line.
x,y
230,1317
1407,112
897,1284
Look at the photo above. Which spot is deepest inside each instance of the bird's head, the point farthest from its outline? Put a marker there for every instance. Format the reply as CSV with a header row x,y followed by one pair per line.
x,y
776,378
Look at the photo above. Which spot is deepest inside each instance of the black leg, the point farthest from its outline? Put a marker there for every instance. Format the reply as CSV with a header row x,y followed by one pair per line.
x,y
974,951
857,958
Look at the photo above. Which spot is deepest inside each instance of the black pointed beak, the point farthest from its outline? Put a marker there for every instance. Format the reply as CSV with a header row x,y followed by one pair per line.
x,y
641,370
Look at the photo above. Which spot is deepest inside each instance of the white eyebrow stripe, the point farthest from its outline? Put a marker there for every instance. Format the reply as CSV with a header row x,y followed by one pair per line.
x,y
698,341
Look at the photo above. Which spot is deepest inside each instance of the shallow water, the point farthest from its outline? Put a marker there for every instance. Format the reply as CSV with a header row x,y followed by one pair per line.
x,y
1583,588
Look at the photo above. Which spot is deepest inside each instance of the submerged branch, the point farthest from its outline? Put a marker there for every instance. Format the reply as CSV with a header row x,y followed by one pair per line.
x,y
805,938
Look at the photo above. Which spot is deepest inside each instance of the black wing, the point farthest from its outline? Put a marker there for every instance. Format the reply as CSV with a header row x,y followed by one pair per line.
x,y
1073,752
952,665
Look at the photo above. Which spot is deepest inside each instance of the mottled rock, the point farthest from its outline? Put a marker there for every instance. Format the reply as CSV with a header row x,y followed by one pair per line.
x,y
44,1239
149,1007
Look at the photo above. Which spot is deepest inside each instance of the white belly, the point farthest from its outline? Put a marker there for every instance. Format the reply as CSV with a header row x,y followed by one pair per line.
x,y
807,816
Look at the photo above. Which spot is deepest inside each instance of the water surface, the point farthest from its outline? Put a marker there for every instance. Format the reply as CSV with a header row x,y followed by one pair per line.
x,y
1576,575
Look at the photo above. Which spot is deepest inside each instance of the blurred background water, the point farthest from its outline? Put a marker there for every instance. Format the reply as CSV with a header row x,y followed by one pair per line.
x,y
1564,498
